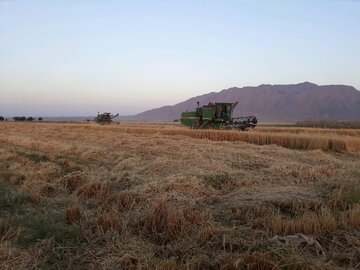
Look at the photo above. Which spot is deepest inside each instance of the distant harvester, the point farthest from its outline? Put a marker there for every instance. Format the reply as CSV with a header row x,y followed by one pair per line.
x,y
104,118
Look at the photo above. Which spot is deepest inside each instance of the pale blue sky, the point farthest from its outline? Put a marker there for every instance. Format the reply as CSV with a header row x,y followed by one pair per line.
x,y
80,57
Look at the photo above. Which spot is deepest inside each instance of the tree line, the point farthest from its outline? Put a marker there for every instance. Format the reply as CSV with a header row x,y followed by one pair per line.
x,y
22,118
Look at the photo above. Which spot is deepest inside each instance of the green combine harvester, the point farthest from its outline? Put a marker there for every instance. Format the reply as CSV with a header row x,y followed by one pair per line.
x,y
217,116
104,118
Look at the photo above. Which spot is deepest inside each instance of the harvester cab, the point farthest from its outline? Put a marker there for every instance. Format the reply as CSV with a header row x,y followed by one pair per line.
x,y
217,115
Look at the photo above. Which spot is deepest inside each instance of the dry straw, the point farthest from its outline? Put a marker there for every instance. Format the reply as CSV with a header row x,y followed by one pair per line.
x,y
72,214
107,184
293,140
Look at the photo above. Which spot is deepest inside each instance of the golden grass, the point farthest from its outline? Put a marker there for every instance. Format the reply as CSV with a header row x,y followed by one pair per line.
x,y
73,181
166,197
12,257
293,138
94,189
162,224
253,261
351,218
309,223
8,232
122,201
72,214
107,222
34,197
16,179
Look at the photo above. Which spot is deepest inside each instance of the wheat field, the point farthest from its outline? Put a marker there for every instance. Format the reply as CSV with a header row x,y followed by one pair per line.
x,y
155,196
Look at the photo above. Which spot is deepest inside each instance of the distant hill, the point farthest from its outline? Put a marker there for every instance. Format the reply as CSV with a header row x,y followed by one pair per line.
x,y
286,103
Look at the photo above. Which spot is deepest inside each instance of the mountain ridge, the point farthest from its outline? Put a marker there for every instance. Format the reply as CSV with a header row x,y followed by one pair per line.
x,y
279,102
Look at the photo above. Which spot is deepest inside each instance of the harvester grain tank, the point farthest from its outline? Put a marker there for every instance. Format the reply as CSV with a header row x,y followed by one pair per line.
x,y
104,118
217,115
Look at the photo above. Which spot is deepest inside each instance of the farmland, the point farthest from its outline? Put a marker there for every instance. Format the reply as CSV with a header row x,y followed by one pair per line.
x,y
155,196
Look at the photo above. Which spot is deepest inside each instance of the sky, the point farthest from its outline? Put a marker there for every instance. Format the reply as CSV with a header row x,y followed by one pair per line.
x,y
78,57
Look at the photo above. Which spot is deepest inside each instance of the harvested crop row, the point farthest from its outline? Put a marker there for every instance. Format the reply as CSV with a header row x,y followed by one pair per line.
x,y
287,140
292,138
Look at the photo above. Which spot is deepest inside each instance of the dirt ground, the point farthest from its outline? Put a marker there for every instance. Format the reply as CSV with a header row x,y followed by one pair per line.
x,y
82,196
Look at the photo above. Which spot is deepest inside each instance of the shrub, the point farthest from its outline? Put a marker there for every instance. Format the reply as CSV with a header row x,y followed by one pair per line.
x,y
19,118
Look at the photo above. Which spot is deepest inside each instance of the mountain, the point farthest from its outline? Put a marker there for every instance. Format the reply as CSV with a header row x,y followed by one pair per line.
x,y
284,103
